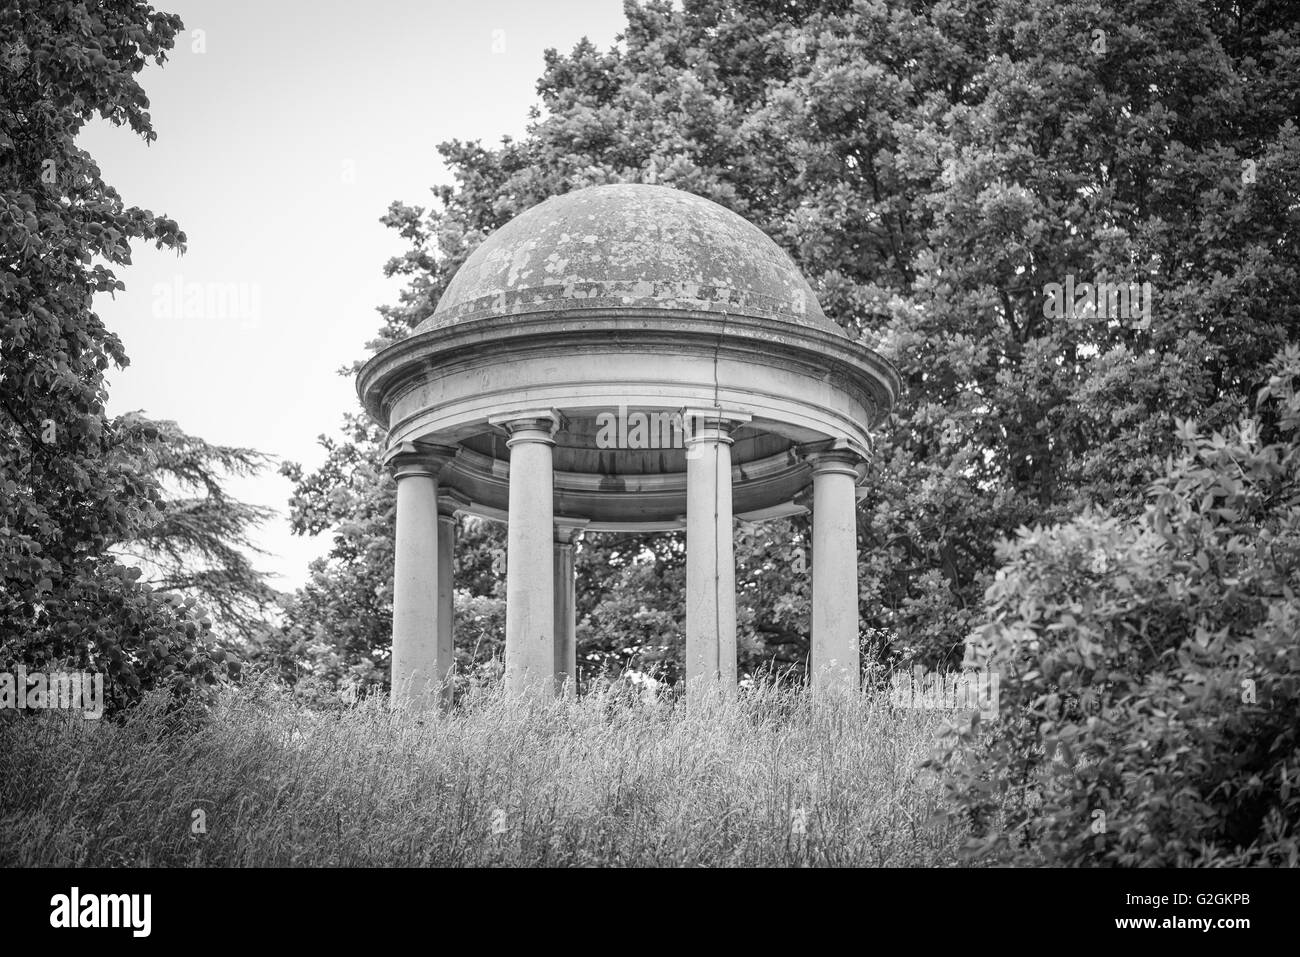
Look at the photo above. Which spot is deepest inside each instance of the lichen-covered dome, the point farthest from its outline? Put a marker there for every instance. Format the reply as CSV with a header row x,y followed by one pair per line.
x,y
629,246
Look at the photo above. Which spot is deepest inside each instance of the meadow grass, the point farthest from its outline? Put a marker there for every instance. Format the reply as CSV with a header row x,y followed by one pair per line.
x,y
768,778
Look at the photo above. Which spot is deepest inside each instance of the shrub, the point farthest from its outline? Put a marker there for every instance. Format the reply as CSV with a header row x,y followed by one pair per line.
x,y
1149,704
101,619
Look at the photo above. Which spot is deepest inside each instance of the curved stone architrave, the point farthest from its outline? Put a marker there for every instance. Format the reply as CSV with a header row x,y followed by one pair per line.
x,y
605,357
652,502
799,385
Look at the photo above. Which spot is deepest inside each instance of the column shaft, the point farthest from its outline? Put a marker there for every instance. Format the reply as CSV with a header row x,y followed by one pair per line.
x,y
530,593
415,589
566,652
446,605
710,562
835,664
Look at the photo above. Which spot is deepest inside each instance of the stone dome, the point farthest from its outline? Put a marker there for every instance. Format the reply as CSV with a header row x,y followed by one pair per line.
x,y
629,246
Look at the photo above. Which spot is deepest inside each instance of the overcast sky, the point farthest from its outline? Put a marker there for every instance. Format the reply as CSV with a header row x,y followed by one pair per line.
x,y
284,131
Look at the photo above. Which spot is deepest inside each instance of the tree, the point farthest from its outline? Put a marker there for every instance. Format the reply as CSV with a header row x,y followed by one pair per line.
x,y
935,168
65,497
199,544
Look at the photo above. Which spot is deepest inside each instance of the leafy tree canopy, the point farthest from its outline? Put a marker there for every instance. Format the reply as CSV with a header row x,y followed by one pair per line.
x,y
934,168
72,483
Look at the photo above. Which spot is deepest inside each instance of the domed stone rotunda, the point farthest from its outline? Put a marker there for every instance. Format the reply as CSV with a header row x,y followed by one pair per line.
x,y
622,358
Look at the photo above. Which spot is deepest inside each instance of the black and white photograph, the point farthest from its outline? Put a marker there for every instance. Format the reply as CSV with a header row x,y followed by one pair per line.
x,y
627,436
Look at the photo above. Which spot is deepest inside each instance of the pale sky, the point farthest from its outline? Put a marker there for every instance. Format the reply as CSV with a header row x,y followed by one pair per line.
x,y
284,131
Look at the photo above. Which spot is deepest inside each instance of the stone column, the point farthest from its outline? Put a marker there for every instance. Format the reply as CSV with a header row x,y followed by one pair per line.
x,y
835,657
415,664
530,569
710,552
446,597
566,649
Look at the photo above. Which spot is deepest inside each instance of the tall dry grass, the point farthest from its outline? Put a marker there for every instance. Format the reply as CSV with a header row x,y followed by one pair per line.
x,y
603,780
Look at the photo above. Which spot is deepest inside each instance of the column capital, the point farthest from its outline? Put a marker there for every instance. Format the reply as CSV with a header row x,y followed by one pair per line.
x,y
418,458
567,529
834,456
450,503
711,424
530,425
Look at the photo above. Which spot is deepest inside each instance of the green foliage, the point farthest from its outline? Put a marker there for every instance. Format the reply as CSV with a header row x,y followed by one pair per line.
x,y
67,491
629,610
198,545
1150,674
932,168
